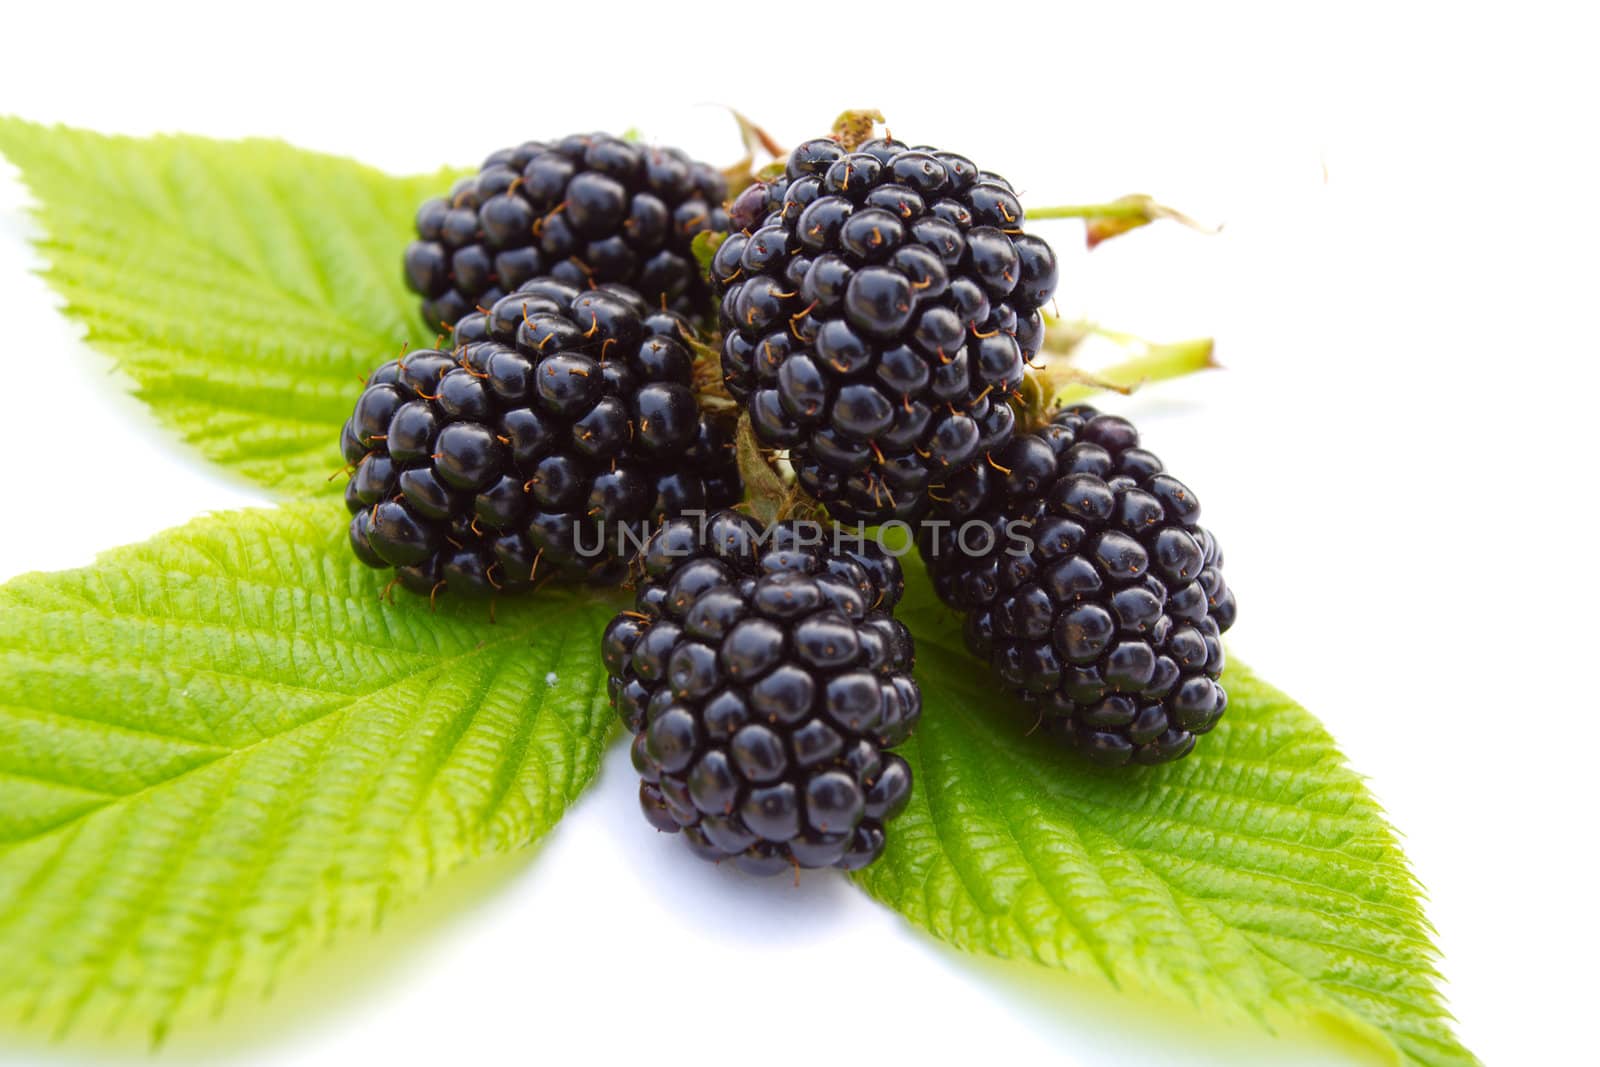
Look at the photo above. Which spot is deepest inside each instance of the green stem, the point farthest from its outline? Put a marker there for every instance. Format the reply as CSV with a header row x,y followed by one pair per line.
x,y
1062,338
1156,363
1126,208
1113,218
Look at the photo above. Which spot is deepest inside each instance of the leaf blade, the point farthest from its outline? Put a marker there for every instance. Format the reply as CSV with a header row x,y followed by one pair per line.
x,y
1256,880
244,286
276,757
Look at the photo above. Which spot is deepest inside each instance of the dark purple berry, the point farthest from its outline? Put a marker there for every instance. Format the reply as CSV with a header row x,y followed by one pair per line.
x,y
1098,598
765,681
584,208
900,273
550,444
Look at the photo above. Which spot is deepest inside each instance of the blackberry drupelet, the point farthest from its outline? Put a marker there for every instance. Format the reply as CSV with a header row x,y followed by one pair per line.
x,y
764,681
877,318
562,423
589,207
1089,586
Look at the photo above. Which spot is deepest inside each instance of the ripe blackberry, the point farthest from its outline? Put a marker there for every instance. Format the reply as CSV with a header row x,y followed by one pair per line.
x,y
1089,586
589,207
560,425
877,319
764,680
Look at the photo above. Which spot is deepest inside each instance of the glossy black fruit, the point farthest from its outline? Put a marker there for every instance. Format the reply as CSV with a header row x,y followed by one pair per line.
x,y
765,679
587,208
1089,585
877,318
554,436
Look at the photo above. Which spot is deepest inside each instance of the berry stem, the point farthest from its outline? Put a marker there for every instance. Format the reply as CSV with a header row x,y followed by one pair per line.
x,y
855,127
1116,217
755,139
1058,382
1158,362
755,136
769,496
709,387
764,489
1062,338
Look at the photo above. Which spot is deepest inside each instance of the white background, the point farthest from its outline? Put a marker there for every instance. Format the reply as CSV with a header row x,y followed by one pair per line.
x,y
1399,460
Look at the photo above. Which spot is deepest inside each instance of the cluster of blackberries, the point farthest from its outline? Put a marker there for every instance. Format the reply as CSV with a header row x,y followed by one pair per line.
x,y
1089,585
586,208
559,429
878,308
764,680
877,318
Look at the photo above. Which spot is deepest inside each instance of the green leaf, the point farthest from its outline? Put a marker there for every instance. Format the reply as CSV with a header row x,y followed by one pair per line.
x,y
220,748
1256,880
244,286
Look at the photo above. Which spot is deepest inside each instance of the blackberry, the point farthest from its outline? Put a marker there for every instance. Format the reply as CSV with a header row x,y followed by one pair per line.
x,y
878,318
1089,586
586,208
764,681
544,443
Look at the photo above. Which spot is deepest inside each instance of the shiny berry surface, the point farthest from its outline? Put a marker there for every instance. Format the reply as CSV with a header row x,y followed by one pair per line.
x,y
765,680
1089,586
878,309
556,435
590,208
